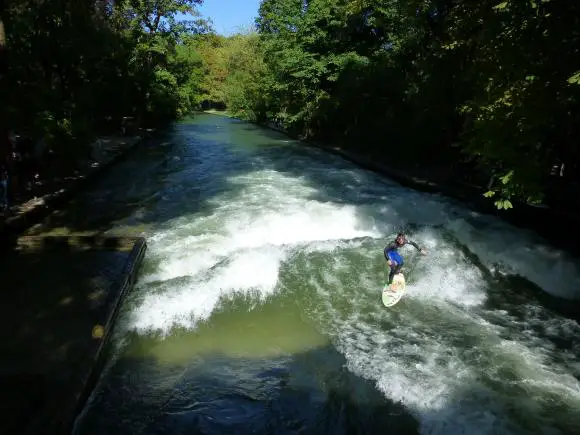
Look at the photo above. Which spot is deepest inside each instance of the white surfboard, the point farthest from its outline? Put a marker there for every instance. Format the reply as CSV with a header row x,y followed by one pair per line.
x,y
393,293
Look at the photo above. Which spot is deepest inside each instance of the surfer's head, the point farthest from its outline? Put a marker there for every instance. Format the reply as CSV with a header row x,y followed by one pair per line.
x,y
401,239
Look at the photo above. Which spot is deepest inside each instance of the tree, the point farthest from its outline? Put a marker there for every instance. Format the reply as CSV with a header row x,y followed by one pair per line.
x,y
247,84
77,68
488,88
4,142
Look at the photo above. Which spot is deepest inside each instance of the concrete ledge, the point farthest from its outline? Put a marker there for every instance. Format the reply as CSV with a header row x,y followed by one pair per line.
x,y
60,312
125,283
38,209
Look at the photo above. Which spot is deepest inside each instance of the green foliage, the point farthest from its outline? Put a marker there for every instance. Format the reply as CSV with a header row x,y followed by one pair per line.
x,y
575,78
211,48
76,68
489,88
248,79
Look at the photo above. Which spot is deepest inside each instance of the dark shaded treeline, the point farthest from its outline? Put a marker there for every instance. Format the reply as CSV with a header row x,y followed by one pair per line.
x,y
73,70
486,91
489,90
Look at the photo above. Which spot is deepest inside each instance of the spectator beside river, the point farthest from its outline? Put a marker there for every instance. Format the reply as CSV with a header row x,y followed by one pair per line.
x,y
3,187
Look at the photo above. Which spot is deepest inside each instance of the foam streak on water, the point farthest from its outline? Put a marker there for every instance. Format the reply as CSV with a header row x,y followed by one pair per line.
x,y
238,248
453,351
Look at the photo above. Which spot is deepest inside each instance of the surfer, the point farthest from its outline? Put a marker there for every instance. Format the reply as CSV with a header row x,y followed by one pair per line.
x,y
394,259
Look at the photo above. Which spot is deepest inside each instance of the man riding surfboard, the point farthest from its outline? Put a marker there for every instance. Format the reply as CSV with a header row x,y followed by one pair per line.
x,y
394,259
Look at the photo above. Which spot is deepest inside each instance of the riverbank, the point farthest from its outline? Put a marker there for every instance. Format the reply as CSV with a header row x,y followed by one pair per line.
x,y
541,219
63,297
61,301
106,151
267,265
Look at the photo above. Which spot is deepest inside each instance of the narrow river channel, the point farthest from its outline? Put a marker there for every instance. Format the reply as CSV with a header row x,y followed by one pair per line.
x,y
258,307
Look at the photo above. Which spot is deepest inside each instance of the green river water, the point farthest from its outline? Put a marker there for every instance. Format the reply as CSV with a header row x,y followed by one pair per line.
x,y
258,307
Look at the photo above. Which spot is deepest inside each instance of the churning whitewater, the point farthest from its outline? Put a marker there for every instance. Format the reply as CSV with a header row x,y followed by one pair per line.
x,y
471,348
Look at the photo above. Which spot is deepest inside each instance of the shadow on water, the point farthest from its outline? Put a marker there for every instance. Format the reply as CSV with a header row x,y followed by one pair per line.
x,y
310,392
167,180
179,175
531,293
514,293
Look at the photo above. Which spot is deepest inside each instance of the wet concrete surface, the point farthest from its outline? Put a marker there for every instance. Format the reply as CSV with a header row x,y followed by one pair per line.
x,y
60,298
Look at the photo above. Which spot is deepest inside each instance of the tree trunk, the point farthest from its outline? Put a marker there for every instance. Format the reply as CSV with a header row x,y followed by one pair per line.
x,y
5,148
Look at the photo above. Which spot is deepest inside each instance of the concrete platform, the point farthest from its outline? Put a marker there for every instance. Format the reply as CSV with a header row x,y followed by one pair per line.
x,y
60,299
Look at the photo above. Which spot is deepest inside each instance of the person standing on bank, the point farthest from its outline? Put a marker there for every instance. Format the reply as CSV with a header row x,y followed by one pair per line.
x,y
3,187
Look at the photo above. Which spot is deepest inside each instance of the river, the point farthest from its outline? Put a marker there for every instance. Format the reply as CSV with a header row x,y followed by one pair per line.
x,y
258,306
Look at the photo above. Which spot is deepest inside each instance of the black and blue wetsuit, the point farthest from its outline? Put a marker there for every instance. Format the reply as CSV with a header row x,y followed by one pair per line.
x,y
392,253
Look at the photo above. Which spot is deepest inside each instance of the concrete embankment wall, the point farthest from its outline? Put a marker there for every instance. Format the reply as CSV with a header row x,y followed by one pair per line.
x,y
37,210
61,301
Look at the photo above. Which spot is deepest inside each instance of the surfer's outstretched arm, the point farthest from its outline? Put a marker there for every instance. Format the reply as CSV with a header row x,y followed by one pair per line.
x,y
416,246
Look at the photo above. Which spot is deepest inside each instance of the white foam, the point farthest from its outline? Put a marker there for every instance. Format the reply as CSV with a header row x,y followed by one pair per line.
x,y
189,302
415,367
420,360
499,245
246,239
241,245
447,274
505,248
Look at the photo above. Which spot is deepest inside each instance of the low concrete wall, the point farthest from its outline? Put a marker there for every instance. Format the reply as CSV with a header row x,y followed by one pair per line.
x,y
125,283
13,226
61,310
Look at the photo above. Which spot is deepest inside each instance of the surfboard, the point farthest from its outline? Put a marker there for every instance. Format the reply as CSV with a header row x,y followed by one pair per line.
x,y
393,293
